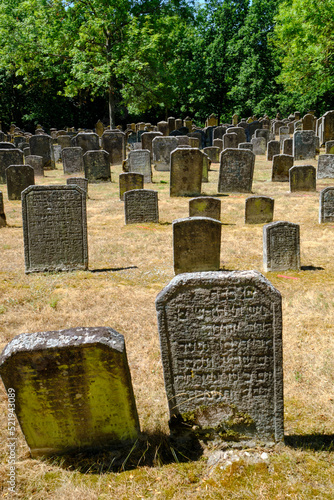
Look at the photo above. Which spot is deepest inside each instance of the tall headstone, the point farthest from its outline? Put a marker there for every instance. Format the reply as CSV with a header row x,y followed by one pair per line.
x,y
9,157
280,168
97,166
113,141
304,145
72,160
163,128
326,205
205,206
236,171
308,122
162,147
171,123
88,141
281,246
273,148
141,205
42,145
129,181
186,172
18,177
325,166
147,139
99,128
54,228
73,389
3,222
327,133
221,348
259,210
139,162
302,178
36,162
196,244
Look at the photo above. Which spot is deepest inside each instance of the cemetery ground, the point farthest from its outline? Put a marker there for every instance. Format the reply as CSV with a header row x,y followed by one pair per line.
x,y
128,266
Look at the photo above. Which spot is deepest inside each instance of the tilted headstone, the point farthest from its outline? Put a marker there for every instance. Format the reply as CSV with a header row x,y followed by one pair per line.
x,y
281,246
113,141
186,172
79,181
41,145
230,140
287,147
64,141
302,178
73,390
259,145
162,147
72,160
259,210
139,162
236,171
304,145
213,153
141,205
280,168
273,148
88,141
36,162
147,139
221,348
326,205
329,147
205,206
18,178
3,222
129,181
97,166
196,244
54,228
325,166
9,157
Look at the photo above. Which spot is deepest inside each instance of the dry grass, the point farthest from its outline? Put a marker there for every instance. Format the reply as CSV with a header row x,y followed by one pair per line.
x,y
129,265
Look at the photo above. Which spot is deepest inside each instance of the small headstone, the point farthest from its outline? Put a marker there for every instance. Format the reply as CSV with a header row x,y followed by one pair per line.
x,y
302,178
280,168
206,167
42,145
194,142
281,246
73,390
3,222
283,134
261,132
141,205
213,153
9,157
72,160
113,142
99,128
304,145
273,148
259,145
79,181
186,172
162,147
36,162
308,122
326,205
129,181
54,228
205,206
97,166
325,166
288,147
196,244
218,132
236,171
329,147
183,140
139,162
259,210
18,178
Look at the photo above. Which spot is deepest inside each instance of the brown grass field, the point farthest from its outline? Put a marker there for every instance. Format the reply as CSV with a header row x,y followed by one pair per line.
x,y
128,266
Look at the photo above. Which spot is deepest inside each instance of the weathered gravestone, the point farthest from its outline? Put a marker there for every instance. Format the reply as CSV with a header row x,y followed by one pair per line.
x,y
162,147
182,140
281,246
139,162
97,166
236,171
245,145
206,167
287,147
73,390
302,178
259,210
3,222
283,134
194,142
9,157
205,206
141,205
18,178
326,205
99,128
240,131
113,141
308,122
213,153
54,228
7,145
79,181
259,145
327,129
273,148
41,145
129,181
36,162
261,132
196,244
221,348
329,147
171,123
163,128
186,172
230,140
280,168
88,141
219,144
147,139
304,145
72,160
218,132
325,166
64,141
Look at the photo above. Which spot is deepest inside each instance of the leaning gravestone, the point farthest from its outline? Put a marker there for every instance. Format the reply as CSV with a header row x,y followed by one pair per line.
x,y
18,177
205,206
236,171
129,181
113,142
196,244
325,167
36,162
162,147
3,222
54,228
139,162
186,172
141,205
281,246
79,181
302,178
42,145
72,160
9,157
259,210
326,205
304,145
97,166
88,141
73,390
273,148
280,168
221,348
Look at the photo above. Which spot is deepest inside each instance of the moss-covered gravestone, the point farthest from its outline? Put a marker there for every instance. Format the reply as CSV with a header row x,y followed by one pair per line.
x,y
259,210
236,171
73,389
221,346
205,206
186,172
18,178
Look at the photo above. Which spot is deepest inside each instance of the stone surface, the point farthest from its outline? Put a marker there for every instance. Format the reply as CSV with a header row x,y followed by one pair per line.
x,y
36,162
302,178
9,157
72,159
113,141
329,147
97,166
325,168
259,210
327,129
139,162
213,153
287,146
304,145
64,141
221,347
259,145
141,205
41,145
88,141
196,244
54,228
236,171
273,148
3,222
245,145
281,246
280,168
147,139
326,205
162,148
18,178
73,389
240,131
129,181
230,140
79,181
205,206
186,172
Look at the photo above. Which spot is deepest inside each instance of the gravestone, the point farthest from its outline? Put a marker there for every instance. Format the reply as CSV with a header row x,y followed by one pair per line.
x,y
171,123
72,160
283,134
240,131
325,166
221,348
18,178
73,390
261,132
206,167
3,222
205,206
213,153
88,141
327,130
9,157
182,140
259,210
235,119
236,171
245,145
230,140
193,142
280,168
79,181
141,205
97,166
139,162
7,145
281,246
41,145
64,141
178,123
129,181
113,141
36,162
218,143
302,178
218,132
288,147
253,127
54,228
186,172
308,122
326,205
196,244
162,147
147,139
163,128
57,152
273,148
99,128
276,126
329,147
259,145
304,145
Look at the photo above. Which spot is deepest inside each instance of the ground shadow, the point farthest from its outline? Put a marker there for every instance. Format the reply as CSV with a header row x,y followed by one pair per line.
x,y
315,442
311,268
149,450
112,269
